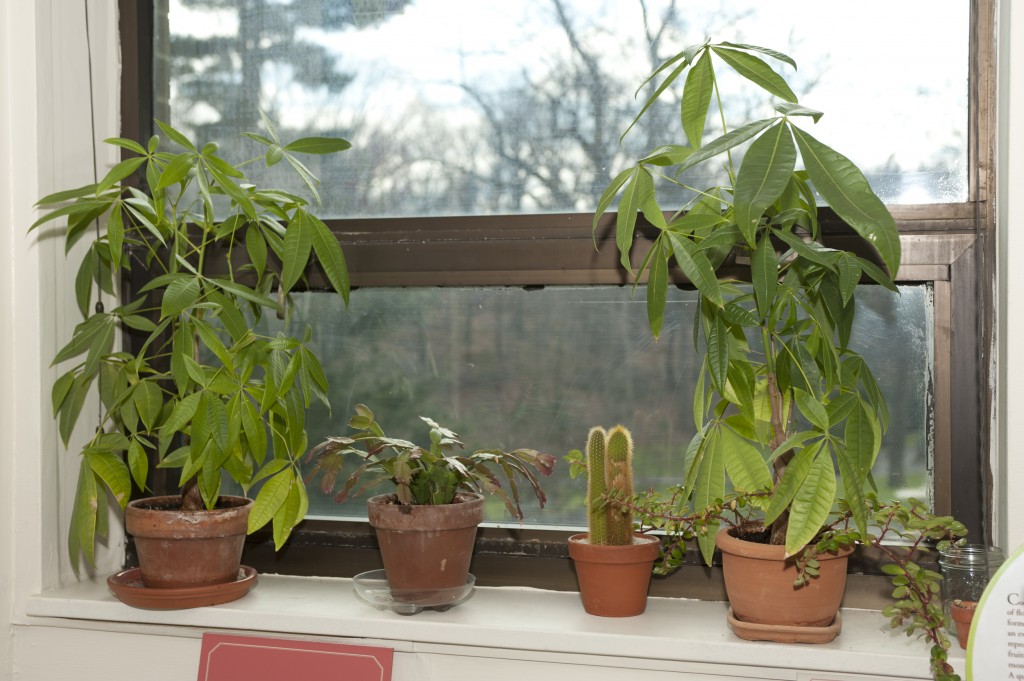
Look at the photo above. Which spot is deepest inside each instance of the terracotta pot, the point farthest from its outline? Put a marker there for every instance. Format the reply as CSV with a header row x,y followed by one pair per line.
x,y
963,614
187,548
614,579
759,582
426,546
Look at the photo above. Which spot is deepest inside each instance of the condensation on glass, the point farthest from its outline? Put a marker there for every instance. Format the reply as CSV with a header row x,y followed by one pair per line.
x,y
509,367
462,107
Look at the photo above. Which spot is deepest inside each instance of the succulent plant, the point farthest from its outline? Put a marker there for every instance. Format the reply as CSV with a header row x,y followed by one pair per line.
x,y
609,466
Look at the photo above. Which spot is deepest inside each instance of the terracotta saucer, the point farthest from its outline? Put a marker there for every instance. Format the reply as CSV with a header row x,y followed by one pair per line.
x,y
780,633
127,586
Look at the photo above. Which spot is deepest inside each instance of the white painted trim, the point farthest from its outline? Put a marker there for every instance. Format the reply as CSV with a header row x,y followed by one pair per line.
x,y
545,627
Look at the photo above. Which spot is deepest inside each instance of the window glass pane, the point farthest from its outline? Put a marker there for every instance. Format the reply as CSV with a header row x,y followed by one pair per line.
x,y
468,107
508,367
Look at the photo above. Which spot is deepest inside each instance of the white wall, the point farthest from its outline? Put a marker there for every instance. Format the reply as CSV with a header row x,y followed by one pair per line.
x,y
43,146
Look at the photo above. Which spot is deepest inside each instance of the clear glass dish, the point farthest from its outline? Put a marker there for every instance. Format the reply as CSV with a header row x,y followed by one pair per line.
x,y
373,589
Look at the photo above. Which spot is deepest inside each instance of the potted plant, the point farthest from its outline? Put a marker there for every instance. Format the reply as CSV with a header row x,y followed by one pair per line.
x,y
899,531
426,528
783,406
198,389
613,564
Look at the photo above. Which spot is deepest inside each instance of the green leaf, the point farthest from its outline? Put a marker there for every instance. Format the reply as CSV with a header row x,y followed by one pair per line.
x,y
791,109
608,195
792,479
763,50
700,84
849,276
764,271
744,464
176,171
718,352
318,145
72,406
723,143
180,415
245,293
668,155
811,505
298,240
176,136
686,56
229,315
270,498
288,515
256,246
332,260
119,172
61,388
179,295
308,178
149,401
639,187
102,344
82,534
83,280
763,176
813,410
138,463
113,472
846,190
757,71
709,486
657,288
862,439
695,265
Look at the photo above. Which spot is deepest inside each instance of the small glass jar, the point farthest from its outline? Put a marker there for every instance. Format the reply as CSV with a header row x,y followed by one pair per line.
x,y
966,571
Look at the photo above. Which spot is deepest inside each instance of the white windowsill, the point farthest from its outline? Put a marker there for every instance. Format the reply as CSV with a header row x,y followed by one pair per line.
x,y
516,623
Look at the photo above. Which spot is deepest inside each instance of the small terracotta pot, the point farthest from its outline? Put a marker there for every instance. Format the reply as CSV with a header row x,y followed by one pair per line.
x,y
426,546
188,548
963,615
614,579
759,582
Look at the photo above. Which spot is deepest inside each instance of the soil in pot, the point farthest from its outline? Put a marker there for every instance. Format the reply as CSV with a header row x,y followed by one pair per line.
x,y
963,614
179,549
760,583
426,547
614,579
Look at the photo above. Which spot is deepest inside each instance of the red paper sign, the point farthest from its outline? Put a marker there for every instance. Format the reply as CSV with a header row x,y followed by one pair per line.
x,y
253,658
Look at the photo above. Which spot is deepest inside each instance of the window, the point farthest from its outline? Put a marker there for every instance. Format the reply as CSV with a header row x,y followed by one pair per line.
x,y
465,205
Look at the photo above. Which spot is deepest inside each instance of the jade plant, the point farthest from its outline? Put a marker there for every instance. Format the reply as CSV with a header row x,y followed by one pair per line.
x,y
609,469
782,403
901,533
434,474
198,389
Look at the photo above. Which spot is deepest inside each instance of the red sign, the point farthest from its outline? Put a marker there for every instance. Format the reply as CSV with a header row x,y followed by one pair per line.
x,y
253,658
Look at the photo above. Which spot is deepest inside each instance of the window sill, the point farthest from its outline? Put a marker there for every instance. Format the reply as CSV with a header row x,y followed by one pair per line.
x,y
516,623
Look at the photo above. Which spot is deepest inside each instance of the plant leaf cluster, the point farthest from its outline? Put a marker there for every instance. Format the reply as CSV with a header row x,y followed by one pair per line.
x,y
433,474
782,403
202,390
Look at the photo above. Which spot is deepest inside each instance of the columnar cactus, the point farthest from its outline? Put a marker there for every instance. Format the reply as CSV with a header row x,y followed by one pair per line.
x,y
619,472
610,473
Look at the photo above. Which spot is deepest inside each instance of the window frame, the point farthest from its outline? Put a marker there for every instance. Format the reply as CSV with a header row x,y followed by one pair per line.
x,y
951,246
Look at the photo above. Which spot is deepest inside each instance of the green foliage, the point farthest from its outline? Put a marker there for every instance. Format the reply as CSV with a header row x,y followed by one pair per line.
x,y
899,532
609,469
782,404
425,475
202,391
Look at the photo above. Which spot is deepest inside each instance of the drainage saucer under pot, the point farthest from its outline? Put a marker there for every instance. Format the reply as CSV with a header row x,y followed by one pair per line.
x,y
373,589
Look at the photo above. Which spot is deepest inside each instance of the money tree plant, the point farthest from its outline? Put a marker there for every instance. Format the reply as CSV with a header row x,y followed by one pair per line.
x,y
782,402
199,389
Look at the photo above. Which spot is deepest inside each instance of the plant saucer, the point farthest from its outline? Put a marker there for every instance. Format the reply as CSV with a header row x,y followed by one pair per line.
x,y
128,587
780,633
373,589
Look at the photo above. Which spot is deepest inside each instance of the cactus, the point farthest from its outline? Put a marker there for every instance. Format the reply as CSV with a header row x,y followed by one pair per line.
x,y
609,473
619,472
597,485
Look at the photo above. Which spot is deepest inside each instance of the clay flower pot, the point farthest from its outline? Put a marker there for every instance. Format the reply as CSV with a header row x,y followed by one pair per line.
x,y
759,582
179,549
426,547
963,614
614,579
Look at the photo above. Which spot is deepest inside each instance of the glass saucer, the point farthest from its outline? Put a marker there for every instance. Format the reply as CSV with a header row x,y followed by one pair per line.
x,y
373,589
